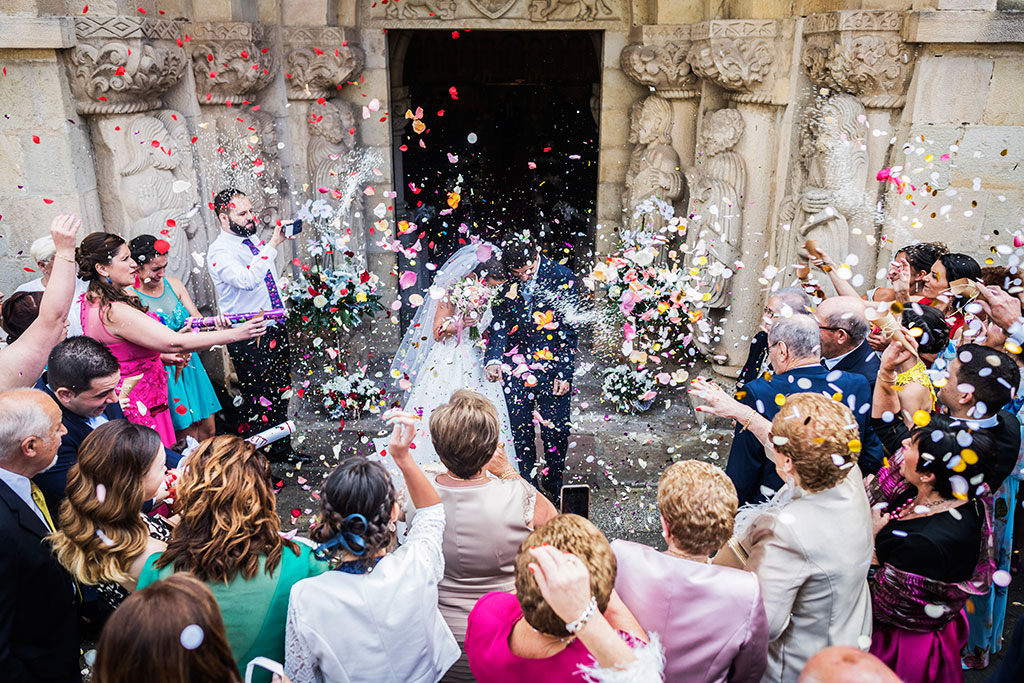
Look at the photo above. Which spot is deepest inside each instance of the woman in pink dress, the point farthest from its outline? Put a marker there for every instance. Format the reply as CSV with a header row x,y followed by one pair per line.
x,y
525,638
112,314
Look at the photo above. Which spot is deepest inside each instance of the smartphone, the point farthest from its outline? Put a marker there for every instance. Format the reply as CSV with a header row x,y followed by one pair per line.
x,y
293,228
576,500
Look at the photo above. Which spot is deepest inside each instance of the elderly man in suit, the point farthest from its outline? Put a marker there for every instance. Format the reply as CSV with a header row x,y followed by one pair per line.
x,y
82,376
844,331
782,303
38,620
794,348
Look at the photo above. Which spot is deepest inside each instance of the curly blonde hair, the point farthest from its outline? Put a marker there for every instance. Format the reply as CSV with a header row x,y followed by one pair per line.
x,y
571,534
698,502
101,528
820,436
228,514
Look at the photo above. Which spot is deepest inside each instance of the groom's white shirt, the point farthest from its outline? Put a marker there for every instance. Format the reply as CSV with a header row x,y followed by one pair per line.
x,y
530,284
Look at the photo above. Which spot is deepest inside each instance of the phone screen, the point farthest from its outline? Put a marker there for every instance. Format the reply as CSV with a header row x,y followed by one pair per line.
x,y
294,228
576,500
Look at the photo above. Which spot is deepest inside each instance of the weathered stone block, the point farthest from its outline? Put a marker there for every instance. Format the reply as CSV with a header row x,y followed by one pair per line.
x,y
949,89
612,164
1002,108
304,12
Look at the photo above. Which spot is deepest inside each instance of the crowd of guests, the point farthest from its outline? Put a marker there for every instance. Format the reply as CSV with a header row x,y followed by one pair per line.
x,y
862,530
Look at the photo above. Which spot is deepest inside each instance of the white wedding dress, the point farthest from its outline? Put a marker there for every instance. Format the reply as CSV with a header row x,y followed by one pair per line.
x,y
447,366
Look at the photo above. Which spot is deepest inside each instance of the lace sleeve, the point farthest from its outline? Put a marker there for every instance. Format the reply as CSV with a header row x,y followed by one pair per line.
x,y
529,502
299,661
648,667
425,539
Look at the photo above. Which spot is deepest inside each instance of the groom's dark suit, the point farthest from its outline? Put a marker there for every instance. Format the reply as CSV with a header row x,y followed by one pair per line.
x,y
550,353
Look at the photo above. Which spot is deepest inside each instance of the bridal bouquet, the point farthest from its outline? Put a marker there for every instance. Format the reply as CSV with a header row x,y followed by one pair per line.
x,y
470,297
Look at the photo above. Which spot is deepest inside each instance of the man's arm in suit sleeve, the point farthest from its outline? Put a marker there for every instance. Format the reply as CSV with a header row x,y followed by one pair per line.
x,y
746,458
870,458
11,668
498,332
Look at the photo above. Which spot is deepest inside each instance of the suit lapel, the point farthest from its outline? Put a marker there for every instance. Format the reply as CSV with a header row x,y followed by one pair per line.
x,y
28,519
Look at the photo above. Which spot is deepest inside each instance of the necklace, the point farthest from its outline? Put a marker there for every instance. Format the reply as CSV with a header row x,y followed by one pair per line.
x,y
693,558
902,510
452,476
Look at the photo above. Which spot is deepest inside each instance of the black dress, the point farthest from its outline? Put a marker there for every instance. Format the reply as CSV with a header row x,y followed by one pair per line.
x,y
113,593
941,547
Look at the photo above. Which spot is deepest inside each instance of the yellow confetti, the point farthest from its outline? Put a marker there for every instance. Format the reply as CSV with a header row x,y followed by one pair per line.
x,y
922,418
780,399
969,456
854,445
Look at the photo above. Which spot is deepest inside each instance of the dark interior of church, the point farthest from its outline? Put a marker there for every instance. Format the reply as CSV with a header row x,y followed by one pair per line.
x,y
513,114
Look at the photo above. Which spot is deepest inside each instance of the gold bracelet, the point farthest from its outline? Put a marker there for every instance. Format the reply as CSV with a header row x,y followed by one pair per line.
x,y
69,260
508,474
746,422
895,376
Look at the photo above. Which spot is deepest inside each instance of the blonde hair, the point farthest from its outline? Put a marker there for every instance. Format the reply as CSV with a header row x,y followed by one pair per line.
x,y
820,436
571,534
101,534
698,502
465,432
229,517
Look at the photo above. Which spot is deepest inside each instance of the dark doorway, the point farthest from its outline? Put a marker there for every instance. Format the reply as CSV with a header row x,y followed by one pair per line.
x,y
521,135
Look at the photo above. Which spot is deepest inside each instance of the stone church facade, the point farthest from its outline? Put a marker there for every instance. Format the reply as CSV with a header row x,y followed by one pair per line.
x,y
142,109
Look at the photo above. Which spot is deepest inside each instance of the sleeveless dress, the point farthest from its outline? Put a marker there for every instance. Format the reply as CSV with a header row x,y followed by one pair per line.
x,y
918,374
147,404
192,398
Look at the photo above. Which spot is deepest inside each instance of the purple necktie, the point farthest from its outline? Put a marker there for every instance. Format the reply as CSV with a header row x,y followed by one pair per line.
x,y
275,298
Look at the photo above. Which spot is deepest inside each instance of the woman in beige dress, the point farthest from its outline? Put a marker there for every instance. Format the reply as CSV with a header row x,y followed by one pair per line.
x,y
489,510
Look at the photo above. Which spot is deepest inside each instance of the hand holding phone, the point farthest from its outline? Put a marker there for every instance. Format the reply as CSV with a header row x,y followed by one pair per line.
x,y
293,228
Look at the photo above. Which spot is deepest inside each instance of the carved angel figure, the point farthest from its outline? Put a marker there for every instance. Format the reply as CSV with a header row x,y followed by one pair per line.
x,y
833,194
152,165
653,165
715,211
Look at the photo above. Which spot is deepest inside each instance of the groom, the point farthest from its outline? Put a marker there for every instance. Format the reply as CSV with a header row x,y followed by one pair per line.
x,y
535,348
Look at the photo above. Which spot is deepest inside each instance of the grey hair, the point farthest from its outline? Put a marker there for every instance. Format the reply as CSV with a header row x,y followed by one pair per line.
x,y
795,298
855,325
800,333
20,419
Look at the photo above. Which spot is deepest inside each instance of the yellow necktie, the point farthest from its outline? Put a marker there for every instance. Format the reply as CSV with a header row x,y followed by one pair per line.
x,y
37,496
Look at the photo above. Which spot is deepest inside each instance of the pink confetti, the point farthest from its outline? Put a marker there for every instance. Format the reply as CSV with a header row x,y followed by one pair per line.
x,y
483,252
408,279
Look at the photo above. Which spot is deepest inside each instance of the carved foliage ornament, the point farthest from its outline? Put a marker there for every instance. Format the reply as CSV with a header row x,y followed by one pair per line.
x,y
733,63
121,77
317,71
875,67
227,70
662,67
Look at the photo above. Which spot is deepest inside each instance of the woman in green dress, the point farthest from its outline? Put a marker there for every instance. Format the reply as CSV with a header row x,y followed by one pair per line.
x,y
191,398
229,537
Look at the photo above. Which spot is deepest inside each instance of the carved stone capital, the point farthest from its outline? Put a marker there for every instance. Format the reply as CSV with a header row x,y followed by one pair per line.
x,y
860,53
319,60
231,60
659,61
738,55
122,65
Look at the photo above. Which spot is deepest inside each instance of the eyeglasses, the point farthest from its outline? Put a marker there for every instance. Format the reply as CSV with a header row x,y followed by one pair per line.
x,y
834,329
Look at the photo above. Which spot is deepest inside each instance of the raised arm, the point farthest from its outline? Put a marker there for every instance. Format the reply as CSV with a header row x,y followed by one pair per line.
x,y
135,326
22,362
421,491
828,266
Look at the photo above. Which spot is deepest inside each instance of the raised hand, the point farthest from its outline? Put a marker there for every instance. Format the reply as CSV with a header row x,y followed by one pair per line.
x,y
717,401
1002,308
403,433
564,581
493,373
63,230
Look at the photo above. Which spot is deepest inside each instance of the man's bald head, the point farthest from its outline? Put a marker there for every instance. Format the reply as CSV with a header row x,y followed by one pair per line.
x,y
843,325
841,664
30,431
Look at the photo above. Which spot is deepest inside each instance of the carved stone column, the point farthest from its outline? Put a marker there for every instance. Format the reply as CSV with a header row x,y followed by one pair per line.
x,y
318,62
118,71
859,54
749,60
237,141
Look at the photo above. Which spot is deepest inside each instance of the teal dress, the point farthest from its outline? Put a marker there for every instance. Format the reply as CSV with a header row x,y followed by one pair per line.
x,y
255,611
191,399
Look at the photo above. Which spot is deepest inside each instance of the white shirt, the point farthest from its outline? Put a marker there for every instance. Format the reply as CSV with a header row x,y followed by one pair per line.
x,y
831,363
95,422
383,626
238,274
22,485
74,313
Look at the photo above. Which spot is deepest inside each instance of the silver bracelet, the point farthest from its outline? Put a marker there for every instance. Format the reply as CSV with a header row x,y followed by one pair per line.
x,y
581,621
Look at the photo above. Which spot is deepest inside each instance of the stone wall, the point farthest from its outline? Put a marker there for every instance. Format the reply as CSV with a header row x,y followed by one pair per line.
x,y
142,109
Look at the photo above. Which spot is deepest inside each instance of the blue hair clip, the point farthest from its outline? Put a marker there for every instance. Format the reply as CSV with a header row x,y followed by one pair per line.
x,y
349,540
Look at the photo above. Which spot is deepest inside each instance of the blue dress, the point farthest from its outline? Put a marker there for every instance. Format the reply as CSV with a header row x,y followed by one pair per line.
x,y
191,398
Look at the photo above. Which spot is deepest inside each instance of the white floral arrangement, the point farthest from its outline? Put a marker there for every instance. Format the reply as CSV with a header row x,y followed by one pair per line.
x,y
627,387
353,391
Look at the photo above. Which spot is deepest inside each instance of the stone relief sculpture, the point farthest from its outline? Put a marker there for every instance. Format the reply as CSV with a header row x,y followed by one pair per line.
x,y
833,193
492,9
122,77
715,210
330,160
157,189
653,165
586,10
421,9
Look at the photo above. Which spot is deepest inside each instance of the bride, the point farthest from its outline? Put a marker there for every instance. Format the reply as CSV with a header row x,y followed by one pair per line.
x,y
443,349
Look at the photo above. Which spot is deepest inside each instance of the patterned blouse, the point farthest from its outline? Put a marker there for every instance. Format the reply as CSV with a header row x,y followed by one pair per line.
x,y
114,593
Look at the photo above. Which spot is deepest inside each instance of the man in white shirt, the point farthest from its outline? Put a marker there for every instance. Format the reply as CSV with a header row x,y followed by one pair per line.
x,y
246,279
38,623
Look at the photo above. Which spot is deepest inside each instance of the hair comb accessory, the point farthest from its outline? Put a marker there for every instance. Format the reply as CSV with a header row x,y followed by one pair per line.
x,y
349,540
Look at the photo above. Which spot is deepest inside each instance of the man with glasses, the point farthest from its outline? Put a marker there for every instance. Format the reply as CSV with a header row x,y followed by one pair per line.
x,y
844,331
783,303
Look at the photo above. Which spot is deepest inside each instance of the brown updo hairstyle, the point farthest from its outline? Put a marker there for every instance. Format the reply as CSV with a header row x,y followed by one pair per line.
x,y
357,486
19,311
820,436
99,248
101,531
571,534
698,502
228,514
169,632
465,433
